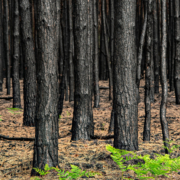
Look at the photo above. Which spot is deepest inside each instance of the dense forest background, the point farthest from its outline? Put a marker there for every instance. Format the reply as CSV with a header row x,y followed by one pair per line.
x,y
62,49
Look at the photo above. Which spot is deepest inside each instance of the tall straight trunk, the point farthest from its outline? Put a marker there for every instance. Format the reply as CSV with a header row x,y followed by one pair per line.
x,y
164,123
46,128
29,63
107,49
6,44
15,75
125,61
147,123
21,66
96,64
172,45
1,48
111,126
81,126
141,47
66,45
103,57
156,48
177,50
71,64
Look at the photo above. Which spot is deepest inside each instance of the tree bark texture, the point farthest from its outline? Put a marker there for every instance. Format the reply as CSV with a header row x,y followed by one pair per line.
x,y
15,75
71,64
164,123
125,61
96,64
177,50
147,123
6,44
156,48
46,128
1,48
81,126
141,47
29,63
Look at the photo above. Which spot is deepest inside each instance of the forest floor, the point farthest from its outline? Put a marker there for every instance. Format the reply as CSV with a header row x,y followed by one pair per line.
x,y
16,156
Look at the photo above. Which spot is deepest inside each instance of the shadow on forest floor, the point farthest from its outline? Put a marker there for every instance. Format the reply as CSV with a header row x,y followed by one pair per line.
x,y
16,156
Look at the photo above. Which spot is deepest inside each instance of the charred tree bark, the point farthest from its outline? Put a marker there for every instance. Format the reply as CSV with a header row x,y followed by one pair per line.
x,y
141,47
147,123
71,64
6,44
81,126
29,63
125,61
164,123
21,64
156,49
1,48
107,49
96,64
177,50
46,129
15,75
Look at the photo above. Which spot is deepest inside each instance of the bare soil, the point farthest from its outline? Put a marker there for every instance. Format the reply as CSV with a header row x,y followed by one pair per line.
x,y
16,156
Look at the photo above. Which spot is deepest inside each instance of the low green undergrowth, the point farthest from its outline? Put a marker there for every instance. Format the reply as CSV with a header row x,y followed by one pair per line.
x,y
162,165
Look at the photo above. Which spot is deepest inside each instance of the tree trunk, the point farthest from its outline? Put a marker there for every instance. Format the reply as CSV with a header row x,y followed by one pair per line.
x,y
96,64
1,49
81,126
177,50
71,64
46,128
164,123
156,49
147,123
125,61
16,84
29,63
141,47
6,44
107,49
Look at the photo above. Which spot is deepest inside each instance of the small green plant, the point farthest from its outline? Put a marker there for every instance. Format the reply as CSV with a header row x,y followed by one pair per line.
x,y
102,126
14,110
74,174
160,166
68,113
0,118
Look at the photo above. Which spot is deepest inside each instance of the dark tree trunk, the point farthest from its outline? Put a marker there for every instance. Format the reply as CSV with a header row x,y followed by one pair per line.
x,y
81,126
141,47
1,48
66,45
103,57
29,63
61,49
96,64
46,128
21,64
164,123
6,44
71,64
107,49
177,50
125,61
147,123
15,75
172,45
156,48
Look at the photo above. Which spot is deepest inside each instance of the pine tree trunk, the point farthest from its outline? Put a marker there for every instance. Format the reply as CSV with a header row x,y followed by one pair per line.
x,y
6,44
164,123
15,75
46,128
125,61
177,50
81,126
29,63
96,64
1,48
